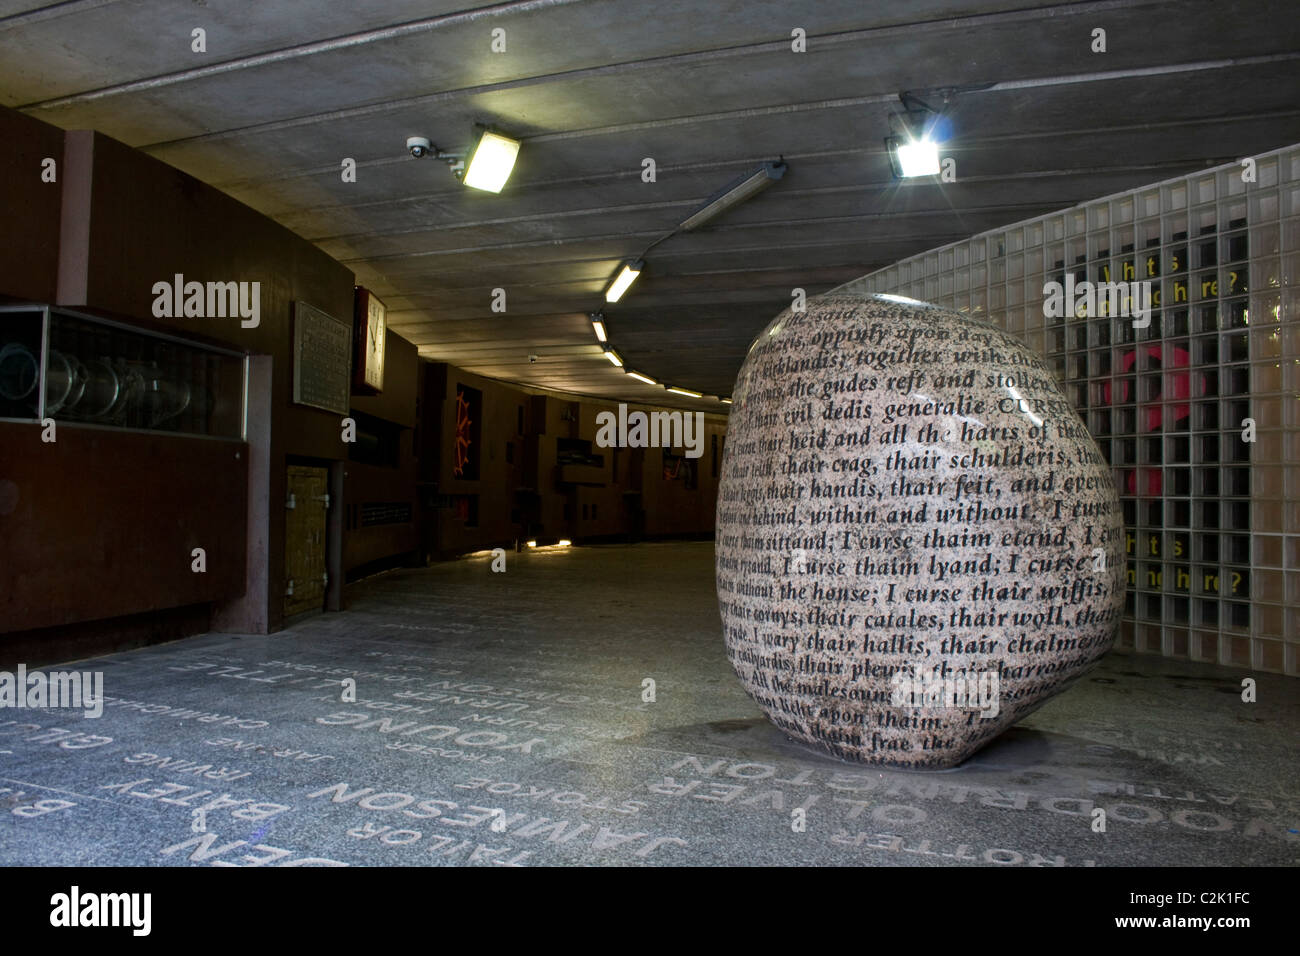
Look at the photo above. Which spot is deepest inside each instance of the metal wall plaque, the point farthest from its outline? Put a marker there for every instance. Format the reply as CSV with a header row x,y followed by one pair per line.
x,y
322,359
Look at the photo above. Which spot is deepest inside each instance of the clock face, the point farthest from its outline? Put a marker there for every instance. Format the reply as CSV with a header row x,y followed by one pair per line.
x,y
375,330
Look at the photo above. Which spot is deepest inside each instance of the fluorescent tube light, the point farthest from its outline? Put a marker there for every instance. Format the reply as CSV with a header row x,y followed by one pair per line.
x,y
490,164
685,391
642,378
735,194
725,401
614,357
625,278
598,324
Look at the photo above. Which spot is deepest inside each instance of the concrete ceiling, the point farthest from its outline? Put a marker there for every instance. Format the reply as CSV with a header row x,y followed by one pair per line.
x,y
707,88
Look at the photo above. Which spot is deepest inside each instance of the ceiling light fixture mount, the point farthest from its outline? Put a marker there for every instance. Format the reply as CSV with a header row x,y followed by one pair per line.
x,y
488,164
734,194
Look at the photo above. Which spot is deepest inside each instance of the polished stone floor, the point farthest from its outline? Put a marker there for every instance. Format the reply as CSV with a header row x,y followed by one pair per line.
x,y
499,720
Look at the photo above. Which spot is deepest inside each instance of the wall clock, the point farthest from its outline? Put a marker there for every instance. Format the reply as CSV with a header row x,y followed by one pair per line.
x,y
371,330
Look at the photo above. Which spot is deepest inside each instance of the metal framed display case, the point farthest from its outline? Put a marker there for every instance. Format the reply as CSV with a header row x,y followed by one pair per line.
x,y
70,367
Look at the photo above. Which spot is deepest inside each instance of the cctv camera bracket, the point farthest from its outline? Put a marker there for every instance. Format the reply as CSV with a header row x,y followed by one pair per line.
x,y
454,160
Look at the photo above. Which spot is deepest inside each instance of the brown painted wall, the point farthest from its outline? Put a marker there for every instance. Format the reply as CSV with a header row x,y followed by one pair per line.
x,y
98,524
397,402
117,222
29,244
365,483
143,222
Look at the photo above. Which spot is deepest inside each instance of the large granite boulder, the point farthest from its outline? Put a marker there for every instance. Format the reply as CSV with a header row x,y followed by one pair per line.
x,y
918,541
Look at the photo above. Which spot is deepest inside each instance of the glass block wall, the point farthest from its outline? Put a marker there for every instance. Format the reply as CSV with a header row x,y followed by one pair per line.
x,y
1213,520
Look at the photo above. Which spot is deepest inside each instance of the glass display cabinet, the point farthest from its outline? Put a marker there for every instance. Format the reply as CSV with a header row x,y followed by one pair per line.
x,y
71,367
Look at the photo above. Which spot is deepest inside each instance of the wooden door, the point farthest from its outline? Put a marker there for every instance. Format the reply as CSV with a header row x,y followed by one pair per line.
x,y
307,504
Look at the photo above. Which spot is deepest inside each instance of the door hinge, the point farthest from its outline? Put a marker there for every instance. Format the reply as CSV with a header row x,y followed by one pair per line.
x,y
288,592
292,502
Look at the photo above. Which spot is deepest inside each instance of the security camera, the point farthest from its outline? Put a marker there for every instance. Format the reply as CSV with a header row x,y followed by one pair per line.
x,y
419,146
532,359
